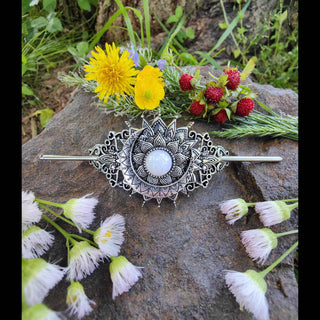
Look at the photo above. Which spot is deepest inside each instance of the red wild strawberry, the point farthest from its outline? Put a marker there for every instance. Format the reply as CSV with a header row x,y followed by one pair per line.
x,y
244,107
213,94
221,116
233,78
196,108
185,83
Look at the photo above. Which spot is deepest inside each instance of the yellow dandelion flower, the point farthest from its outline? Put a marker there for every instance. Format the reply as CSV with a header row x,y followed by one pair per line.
x,y
114,75
148,90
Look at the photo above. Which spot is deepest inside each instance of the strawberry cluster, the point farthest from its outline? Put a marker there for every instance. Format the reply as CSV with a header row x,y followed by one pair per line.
x,y
220,98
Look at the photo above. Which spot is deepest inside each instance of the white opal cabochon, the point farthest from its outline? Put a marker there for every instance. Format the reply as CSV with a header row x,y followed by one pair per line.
x,y
158,162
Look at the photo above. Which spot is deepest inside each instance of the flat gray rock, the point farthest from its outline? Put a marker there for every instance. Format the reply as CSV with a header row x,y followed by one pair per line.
x,y
183,249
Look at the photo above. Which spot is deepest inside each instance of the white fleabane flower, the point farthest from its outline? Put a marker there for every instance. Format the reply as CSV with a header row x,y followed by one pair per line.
x,y
40,311
80,211
84,259
30,211
123,275
273,212
109,236
259,243
35,242
78,303
234,209
38,278
249,289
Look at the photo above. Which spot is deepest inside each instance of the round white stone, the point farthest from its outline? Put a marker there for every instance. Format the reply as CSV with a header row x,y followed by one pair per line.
x,y
158,162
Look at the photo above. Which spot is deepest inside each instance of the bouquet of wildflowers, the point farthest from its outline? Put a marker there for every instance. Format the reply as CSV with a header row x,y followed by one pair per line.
x,y
131,81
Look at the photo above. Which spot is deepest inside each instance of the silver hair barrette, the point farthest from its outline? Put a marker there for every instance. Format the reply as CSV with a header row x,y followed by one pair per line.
x,y
159,161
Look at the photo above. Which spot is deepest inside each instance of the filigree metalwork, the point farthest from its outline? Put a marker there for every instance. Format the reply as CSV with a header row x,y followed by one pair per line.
x,y
122,158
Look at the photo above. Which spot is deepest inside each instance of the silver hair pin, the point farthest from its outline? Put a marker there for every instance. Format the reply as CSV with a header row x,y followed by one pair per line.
x,y
159,161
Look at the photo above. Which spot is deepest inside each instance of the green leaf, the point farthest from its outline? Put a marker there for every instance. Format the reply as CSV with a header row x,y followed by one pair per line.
x,y
228,112
223,25
190,33
233,106
83,48
188,58
84,4
283,16
49,5
248,68
178,12
172,19
54,24
223,79
26,90
45,116
142,61
236,53
24,68
216,110
39,22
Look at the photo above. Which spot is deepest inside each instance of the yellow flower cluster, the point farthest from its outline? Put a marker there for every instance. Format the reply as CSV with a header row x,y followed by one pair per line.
x,y
117,76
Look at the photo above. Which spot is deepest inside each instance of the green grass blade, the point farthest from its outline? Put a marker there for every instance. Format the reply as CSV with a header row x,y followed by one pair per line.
x,y
266,108
147,21
128,22
228,30
94,40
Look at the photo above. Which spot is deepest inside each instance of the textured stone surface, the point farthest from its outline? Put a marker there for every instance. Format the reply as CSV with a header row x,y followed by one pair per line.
x,y
183,249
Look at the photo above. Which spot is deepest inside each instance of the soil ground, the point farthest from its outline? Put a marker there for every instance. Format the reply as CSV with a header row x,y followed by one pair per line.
x,y
53,94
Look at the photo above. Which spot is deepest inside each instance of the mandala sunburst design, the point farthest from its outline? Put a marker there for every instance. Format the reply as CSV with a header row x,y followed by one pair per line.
x,y
158,161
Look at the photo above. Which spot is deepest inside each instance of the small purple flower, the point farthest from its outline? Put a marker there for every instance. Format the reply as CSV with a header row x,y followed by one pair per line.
x,y
161,63
134,56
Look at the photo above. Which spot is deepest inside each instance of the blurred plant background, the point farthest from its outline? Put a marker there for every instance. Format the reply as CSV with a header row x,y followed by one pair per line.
x,y
57,36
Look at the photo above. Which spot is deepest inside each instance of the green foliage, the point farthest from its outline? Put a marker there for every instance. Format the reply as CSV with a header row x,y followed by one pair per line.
x,y
278,59
260,125
276,51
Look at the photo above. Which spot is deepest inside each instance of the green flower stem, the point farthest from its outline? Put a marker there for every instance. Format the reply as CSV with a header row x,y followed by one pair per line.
x,y
59,205
294,205
290,200
286,233
267,270
84,239
66,234
63,218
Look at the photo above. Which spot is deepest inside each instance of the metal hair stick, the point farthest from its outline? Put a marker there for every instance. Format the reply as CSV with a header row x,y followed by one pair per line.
x,y
223,158
158,161
66,157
